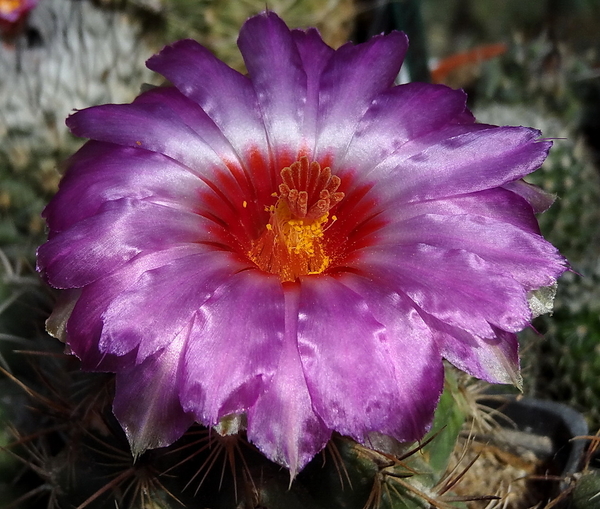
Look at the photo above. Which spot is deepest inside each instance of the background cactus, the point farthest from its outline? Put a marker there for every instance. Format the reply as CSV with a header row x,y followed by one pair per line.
x,y
69,55
563,363
68,451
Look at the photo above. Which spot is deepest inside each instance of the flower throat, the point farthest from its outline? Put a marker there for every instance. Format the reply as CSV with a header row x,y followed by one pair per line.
x,y
292,243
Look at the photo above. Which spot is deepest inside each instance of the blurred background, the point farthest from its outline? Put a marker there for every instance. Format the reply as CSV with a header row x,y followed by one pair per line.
x,y
532,63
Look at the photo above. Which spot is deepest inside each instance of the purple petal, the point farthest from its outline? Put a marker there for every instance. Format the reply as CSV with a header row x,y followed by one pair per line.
x,y
275,69
464,290
102,172
223,183
399,115
498,204
524,256
232,176
85,324
146,400
195,118
230,360
314,54
224,94
56,324
411,350
350,379
495,360
138,318
455,160
147,125
85,345
282,422
122,229
539,199
354,76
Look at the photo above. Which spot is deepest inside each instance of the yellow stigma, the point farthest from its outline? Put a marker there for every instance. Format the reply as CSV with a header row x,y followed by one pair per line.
x,y
299,235
292,243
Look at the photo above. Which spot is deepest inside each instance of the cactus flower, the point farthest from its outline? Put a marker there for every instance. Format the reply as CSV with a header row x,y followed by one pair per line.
x,y
12,11
301,246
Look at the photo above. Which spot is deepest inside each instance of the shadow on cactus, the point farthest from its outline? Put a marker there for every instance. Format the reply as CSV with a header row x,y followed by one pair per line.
x,y
75,455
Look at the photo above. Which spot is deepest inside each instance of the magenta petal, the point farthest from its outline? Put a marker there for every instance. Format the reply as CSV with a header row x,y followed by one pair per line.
x,y
341,346
224,94
464,290
194,117
147,399
136,318
82,341
143,125
527,257
456,160
102,172
498,204
122,229
411,350
495,359
282,423
399,115
314,54
218,170
84,327
229,362
539,199
276,72
346,94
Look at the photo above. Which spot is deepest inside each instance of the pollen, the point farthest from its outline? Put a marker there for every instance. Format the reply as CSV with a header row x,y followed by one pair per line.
x,y
292,243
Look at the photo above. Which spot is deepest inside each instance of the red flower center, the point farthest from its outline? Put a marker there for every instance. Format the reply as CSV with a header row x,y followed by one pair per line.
x,y
292,242
297,221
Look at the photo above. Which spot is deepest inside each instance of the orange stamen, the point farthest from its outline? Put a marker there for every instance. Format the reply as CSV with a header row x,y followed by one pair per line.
x,y
291,244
